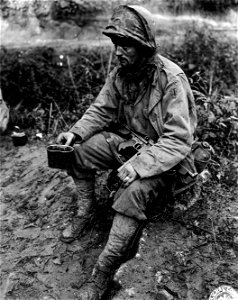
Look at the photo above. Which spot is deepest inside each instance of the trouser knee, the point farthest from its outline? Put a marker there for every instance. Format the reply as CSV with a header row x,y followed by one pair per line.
x,y
132,201
92,155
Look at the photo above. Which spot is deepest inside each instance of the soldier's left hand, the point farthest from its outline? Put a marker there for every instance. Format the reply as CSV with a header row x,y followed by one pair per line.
x,y
127,174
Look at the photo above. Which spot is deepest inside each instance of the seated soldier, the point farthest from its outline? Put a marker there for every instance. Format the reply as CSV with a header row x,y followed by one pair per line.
x,y
150,95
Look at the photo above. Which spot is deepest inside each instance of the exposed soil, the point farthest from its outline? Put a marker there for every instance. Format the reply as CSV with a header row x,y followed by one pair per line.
x,y
184,252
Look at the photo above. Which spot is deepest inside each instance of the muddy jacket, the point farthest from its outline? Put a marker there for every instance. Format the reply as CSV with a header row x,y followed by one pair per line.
x,y
170,111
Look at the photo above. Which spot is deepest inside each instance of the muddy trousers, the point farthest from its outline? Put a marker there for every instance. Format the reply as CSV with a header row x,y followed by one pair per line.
x,y
85,195
134,201
122,242
132,206
121,246
85,210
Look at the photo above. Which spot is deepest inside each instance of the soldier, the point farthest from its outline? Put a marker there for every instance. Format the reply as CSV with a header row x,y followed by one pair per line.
x,y
150,95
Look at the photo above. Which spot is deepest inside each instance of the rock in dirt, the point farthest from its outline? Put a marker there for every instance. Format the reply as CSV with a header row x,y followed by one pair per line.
x,y
32,233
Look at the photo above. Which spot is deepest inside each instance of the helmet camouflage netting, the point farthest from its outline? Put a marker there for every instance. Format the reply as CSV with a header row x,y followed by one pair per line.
x,y
132,23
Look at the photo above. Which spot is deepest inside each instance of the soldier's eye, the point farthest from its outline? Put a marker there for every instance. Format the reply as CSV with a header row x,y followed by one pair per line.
x,y
125,48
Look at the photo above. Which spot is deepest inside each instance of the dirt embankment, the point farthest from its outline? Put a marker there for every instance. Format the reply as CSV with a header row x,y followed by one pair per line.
x,y
184,252
36,203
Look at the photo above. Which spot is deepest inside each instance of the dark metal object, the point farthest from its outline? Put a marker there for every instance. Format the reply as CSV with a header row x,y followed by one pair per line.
x,y
19,137
60,156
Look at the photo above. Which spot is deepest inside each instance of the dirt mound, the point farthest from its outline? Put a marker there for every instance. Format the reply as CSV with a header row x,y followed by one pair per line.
x,y
185,253
36,204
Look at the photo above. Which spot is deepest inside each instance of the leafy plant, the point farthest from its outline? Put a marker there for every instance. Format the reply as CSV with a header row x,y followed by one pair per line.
x,y
44,77
217,120
212,54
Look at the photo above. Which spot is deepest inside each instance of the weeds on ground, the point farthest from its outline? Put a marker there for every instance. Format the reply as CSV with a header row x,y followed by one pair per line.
x,y
48,90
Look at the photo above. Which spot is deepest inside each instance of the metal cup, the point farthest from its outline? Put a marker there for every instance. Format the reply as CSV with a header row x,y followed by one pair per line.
x,y
60,156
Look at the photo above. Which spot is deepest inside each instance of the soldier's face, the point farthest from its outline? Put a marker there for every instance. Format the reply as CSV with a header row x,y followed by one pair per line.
x,y
127,55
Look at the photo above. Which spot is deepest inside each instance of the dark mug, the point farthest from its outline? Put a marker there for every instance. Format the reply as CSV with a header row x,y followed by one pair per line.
x,y
60,156
19,138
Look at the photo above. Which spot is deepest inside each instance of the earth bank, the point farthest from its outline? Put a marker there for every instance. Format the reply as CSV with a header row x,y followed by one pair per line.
x,y
184,252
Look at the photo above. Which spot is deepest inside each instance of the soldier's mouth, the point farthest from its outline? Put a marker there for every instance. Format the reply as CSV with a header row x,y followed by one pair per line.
x,y
122,61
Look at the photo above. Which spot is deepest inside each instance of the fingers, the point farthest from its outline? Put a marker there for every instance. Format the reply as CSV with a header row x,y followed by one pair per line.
x,y
127,174
59,138
69,140
122,174
65,138
128,180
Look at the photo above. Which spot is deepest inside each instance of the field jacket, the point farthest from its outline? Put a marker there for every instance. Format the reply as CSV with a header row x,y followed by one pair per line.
x,y
170,111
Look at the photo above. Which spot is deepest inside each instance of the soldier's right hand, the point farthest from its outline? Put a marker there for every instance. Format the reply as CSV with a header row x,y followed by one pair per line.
x,y
65,138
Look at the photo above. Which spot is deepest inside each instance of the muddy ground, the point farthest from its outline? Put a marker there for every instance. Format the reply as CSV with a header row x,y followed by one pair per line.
x,y
190,253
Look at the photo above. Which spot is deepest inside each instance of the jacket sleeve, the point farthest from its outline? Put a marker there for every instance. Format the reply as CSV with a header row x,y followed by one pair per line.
x,y
175,142
101,113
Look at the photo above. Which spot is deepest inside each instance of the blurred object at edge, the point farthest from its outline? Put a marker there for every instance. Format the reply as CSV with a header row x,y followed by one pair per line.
x,y
4,114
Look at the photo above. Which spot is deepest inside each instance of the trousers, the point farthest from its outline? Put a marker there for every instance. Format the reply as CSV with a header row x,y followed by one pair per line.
x,y
141,198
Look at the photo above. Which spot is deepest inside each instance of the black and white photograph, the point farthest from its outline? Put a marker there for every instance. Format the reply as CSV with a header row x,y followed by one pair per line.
x,y
119,150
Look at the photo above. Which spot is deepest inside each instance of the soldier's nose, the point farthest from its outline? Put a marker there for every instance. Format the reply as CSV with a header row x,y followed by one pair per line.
x,y
118,51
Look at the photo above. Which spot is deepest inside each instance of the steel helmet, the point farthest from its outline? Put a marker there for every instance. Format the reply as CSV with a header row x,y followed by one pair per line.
x,y
133,23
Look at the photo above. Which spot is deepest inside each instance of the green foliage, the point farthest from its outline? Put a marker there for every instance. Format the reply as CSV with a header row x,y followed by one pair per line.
x,y
38,78
210,53
218,122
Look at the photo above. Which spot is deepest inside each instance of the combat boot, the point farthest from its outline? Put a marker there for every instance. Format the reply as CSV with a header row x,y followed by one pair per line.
x,y
122,242
97,284
85,215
